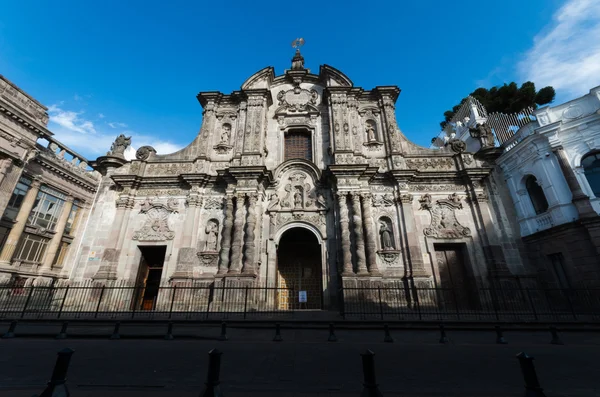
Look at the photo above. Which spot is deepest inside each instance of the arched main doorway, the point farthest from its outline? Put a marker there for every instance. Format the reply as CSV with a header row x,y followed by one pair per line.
x,y
299,271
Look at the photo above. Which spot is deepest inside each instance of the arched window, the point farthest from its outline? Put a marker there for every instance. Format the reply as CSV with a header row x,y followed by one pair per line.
x,y
536,194
298,145
591,167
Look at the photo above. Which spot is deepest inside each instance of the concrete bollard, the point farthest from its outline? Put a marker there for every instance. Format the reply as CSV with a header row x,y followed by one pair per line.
x,y
443,337
388,337
11,330
332,337
223,336
499,336
63,331
212,388
57,387
277,337
169,335
115,335
532,385
370,386
555,338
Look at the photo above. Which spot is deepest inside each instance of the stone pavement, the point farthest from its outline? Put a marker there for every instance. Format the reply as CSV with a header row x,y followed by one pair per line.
x,y
305,364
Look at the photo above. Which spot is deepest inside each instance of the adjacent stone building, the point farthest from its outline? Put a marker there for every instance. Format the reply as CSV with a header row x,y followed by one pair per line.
x,y
301,182
46,192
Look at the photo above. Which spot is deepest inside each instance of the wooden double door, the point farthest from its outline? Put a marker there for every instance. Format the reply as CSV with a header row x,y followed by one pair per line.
x,y
455,280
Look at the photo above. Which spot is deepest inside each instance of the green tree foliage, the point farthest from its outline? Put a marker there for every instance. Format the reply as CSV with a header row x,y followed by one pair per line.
x,y
508,98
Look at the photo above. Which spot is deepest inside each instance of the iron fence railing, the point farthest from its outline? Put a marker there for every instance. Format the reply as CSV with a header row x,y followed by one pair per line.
x,y
187,302
483,304
358,303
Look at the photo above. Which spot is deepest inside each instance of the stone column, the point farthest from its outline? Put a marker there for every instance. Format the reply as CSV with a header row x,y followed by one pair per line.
x,y
414,253
4,165
186,255
345,229
238,235
361,262
371,242
110,256
59,230
15,233
226,239
580,199
250,246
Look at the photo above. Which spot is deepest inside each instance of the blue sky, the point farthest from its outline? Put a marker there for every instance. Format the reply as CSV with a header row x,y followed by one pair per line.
x,y
110,67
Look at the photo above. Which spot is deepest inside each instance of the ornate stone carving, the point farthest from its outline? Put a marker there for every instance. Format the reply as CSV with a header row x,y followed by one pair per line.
x,y
373,146
156,227
467,158
297,100
430,162
443,217
274,203
299,194
390,257
119,145
208,259
169,168
358,234
406,198
222,148
226,239
435,188
213,203
383,200
144,152
457,146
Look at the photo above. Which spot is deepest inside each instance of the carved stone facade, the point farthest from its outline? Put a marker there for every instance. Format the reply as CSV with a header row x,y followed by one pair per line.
x,y
289,152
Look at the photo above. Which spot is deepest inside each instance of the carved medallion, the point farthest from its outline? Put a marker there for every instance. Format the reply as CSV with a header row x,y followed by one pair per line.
x,y
156,226
443,217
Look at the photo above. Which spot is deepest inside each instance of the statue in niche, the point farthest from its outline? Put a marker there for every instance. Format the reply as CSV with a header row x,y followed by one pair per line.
x,y
212,231
370,130
274,203
386,236
225,133
298,198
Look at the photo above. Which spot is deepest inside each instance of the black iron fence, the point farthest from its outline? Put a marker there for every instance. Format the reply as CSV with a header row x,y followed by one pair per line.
x,y
483,304
187,302
242,302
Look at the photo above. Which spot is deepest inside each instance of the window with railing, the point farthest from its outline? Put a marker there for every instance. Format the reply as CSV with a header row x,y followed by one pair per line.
x,y
31,248
16,199
47,208
298,145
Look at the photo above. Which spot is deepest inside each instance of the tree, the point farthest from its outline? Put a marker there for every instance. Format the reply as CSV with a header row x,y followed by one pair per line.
x,y
508,98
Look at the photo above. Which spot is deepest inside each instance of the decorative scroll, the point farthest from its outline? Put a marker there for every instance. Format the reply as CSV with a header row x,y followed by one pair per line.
x,y
443,217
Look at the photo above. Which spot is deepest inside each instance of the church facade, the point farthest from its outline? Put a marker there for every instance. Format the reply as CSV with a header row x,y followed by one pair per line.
x,y
300,182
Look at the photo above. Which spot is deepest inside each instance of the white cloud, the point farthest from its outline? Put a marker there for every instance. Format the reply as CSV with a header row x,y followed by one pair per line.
x,y
81,135
117,125
101,116
566,54
70,120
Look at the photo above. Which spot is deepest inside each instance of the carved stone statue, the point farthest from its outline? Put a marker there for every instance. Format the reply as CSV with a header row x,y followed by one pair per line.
x,y
386,237
370,130
274,203
146,205
298,199
483,132
225,133
119,145
212,231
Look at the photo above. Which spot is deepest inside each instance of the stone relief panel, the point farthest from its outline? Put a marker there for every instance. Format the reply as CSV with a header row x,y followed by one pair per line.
x,y
430,163
156,224
169,168
298,193
443,217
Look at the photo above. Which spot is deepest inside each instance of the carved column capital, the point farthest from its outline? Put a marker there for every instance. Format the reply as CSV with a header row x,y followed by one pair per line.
x,y
406,198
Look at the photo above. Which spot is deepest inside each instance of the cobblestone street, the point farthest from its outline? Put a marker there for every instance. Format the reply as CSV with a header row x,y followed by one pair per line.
x,y
305,364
